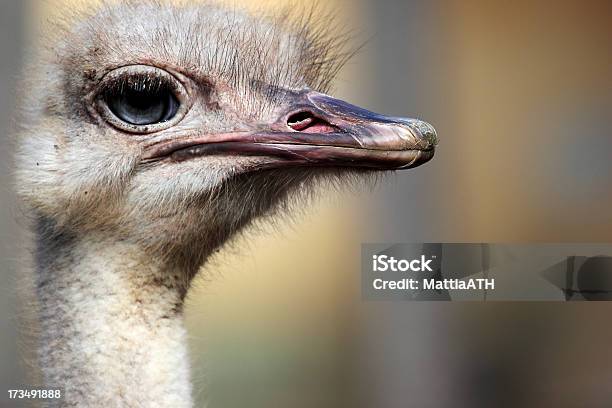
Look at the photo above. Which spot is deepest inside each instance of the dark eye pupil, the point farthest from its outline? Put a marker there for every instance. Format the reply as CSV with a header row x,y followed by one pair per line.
x,y
143,107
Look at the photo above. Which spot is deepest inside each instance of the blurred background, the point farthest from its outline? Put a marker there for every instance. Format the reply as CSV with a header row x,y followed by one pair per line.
x,y
521,95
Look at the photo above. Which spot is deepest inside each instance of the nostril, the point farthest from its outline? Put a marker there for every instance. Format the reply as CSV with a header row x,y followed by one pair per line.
x,y
300,121
305,121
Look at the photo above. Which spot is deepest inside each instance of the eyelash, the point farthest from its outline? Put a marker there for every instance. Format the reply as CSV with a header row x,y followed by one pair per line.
x,y
137,82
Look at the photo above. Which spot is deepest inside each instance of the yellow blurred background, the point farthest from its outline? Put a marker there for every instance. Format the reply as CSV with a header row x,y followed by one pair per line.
x,y
521,96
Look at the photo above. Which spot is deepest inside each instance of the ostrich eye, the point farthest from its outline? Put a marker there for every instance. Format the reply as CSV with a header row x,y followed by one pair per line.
x,y
141,99
143,107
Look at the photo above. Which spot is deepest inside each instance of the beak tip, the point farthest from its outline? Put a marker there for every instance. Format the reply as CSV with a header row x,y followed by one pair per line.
x,y
425,131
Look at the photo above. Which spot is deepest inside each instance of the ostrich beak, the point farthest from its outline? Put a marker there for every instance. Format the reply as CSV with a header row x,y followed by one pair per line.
x,y
318,130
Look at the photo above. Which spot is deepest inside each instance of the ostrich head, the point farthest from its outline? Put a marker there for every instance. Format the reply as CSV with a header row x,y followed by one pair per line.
x,y
173,127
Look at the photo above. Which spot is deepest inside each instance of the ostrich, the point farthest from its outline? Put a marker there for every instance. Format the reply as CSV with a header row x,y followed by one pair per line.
x,y
152,134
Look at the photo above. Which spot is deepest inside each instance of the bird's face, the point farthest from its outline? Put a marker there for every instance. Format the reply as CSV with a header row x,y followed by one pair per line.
x,y
193,123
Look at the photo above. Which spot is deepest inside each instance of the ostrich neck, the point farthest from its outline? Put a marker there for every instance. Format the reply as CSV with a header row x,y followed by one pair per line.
x,y
112,325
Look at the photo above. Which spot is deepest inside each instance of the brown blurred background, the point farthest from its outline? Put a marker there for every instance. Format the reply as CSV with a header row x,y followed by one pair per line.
x,y
521,95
